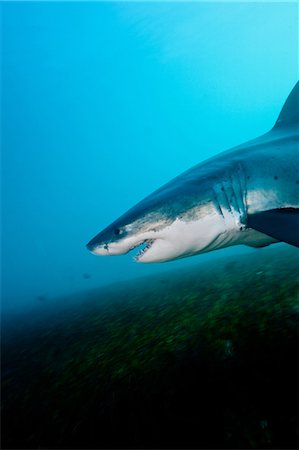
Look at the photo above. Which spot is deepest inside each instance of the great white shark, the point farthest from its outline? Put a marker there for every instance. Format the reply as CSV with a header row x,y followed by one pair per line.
x,y
246,195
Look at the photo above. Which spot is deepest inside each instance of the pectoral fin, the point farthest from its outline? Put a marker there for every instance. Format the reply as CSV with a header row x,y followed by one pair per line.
x,y
281,224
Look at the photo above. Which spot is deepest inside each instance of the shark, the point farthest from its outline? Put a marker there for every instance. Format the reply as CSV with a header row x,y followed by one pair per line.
x,y
248,195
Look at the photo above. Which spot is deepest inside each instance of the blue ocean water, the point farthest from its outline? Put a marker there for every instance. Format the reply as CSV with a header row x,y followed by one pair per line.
x,y
103,102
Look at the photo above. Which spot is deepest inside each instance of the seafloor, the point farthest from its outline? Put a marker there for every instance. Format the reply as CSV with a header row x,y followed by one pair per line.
x,y
197,358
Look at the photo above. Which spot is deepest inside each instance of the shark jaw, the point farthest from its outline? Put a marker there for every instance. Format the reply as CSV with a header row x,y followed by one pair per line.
x,y
177,240
125,246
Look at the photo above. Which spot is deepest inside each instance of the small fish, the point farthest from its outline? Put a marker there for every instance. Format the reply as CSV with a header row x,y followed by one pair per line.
x,y
86,276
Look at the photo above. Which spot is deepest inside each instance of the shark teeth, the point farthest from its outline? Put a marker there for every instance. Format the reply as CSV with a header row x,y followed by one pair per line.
x,y
148,244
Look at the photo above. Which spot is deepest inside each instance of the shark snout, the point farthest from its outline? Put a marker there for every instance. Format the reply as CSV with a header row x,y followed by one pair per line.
x,y
96,243
93,248
102,250
104,245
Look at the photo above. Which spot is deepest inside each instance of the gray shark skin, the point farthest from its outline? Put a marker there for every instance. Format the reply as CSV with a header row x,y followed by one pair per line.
x,y
247,195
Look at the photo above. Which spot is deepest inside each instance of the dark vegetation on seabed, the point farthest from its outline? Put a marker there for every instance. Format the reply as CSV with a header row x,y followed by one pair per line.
x,y
197,358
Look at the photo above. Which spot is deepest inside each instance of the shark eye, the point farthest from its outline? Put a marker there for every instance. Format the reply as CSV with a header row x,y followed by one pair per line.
x,y
117,231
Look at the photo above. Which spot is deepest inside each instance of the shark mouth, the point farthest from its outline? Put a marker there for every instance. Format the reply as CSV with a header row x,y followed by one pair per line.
x,y
145,246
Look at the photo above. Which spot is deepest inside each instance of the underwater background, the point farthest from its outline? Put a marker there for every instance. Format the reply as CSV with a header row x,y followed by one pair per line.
x,y
102,103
